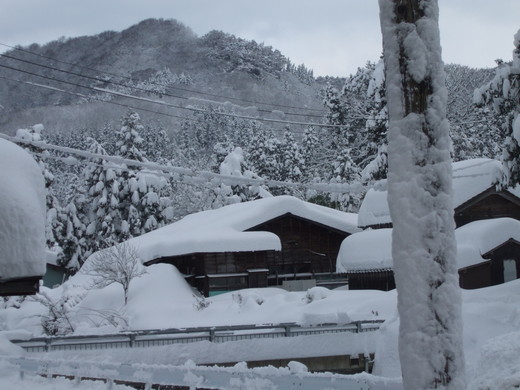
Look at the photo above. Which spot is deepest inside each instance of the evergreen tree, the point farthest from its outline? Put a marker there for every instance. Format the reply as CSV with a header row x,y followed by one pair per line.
x,y
345,171
55,217
311,150
102,187
129,143
262,155
74,246
503,93
376,126
336,115
291,159
234,165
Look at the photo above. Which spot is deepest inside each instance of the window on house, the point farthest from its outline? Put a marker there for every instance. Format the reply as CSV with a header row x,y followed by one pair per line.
x,y
509,270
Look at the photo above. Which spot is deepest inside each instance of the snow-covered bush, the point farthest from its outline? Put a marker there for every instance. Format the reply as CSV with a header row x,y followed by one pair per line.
x,y
316,294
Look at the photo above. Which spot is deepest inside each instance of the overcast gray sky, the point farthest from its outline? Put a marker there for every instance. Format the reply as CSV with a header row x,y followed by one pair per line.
x,y
332,37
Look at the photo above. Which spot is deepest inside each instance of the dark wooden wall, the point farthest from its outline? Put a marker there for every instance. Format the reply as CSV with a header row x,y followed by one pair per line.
x,y
306,245
373,280
489,205
477,276
491,272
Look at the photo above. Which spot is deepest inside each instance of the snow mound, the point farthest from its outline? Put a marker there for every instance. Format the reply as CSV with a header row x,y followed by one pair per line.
x,y
498,363
22,214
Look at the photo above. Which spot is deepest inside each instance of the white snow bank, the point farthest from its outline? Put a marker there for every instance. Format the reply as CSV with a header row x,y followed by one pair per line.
x,y
491,318
498,364
369,249
470,178
22,214
223,230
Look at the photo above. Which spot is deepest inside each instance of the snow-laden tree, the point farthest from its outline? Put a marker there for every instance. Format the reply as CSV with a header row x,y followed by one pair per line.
x,y
237,188
345,171
129,143
337,115
420,198
55,217
263,154
311,149
129,140
74,247
503,94
102,187
291,159
373,158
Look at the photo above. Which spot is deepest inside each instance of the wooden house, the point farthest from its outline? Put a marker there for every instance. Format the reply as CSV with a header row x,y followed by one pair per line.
x,y
252,244
475,197
488,253
477,205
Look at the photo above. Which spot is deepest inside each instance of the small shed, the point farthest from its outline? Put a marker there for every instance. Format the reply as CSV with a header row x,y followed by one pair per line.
x,y
251,244
366,259
474,196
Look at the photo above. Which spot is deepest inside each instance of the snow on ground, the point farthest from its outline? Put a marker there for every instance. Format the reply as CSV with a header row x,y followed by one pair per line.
x,y
22,214
161,299
491,318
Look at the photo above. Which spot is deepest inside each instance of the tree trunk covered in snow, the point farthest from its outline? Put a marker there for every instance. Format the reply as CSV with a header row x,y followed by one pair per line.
x,y
420,197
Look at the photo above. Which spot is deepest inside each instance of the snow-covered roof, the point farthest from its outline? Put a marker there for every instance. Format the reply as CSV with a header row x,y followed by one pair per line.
x,y
479,237
470,178
372,248
367,250
22,214
223,230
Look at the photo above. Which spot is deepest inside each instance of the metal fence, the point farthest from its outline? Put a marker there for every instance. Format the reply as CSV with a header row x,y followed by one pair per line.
x,y
217,334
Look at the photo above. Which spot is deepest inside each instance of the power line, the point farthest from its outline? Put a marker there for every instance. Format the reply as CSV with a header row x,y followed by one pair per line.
x,y
160,102
162,85
88,97
97,79
178,173
32,84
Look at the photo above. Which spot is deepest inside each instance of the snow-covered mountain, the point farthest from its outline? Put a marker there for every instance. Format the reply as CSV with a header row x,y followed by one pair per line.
x,y
152,52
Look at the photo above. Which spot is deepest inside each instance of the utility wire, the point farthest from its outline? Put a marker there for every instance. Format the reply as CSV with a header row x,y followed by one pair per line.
x,y
43,86
97,79
162,85
160,102
196,176
89,97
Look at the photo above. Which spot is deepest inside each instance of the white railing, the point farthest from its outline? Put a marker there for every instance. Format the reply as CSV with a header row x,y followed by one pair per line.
x,y
189,375
150,338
